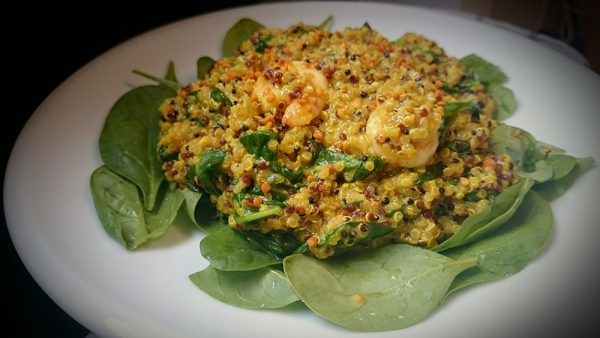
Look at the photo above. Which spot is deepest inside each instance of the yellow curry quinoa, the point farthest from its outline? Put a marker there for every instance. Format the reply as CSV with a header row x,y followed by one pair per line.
x,y
337,139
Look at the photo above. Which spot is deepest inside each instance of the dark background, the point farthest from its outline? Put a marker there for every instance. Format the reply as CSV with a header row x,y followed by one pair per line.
x,y
42,46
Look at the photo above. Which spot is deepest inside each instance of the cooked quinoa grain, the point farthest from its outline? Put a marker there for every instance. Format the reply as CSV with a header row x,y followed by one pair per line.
x,y
338,139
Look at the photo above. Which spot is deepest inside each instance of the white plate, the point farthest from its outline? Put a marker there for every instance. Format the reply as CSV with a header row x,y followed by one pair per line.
x,y
146,293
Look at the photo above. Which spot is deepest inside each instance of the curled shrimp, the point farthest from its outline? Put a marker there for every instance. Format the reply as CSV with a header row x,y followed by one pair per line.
x,y
301,110
399,145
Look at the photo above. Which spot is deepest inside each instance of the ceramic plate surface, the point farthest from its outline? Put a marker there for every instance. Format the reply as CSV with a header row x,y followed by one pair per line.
x,y
146,293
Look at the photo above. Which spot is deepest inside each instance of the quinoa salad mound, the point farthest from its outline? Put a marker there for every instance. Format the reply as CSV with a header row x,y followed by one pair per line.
x,y
337,139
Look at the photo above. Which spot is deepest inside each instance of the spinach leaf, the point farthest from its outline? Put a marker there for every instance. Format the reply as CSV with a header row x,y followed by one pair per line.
x,y
239,33
203,66
388,288
263,43
432,172
263,288
119,208
327,23
218,96
253,216
460,146
229,250
499,212
277,198
522,147
561,165
207,216
352,234
256,143
485,71
539,172
505,101
201,211
205,172
278,244
450,111
128,141
191,199
163,82
469,82
511,248
492,77
533,159
160,218
355,168
551,190
171,76
287,173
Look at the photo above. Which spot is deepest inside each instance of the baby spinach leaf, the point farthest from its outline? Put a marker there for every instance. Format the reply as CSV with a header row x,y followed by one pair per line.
x,y
327,23
218,96
203,66
460,146
478,72
432,172
191,199
263,288
257,215
278,244
121,213
551,190
230,250
204,173
533,159
160,218
508,250
450,111
485,71
354,167
207,216
263,43
201,211
561,165
129,137
499,212
171,76
469,82
522,147
163,82
119,208
256,143
287,173
237,34
388,288
353,234
505,101
539,172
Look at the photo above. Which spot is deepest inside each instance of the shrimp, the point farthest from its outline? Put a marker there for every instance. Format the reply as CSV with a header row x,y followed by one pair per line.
x,y
391,140
301,110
